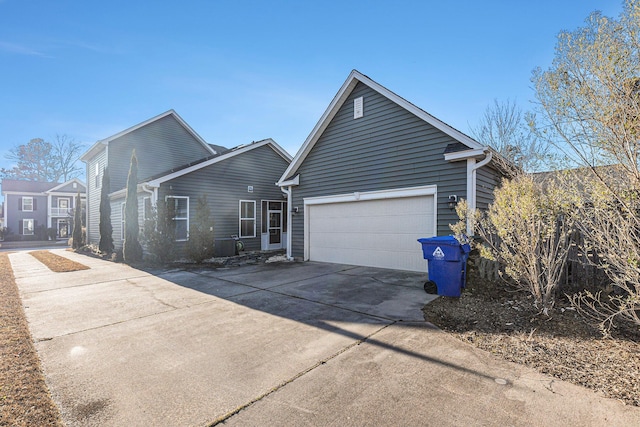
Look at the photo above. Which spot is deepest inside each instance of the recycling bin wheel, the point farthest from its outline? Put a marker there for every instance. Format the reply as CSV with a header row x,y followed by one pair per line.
x,y
430,287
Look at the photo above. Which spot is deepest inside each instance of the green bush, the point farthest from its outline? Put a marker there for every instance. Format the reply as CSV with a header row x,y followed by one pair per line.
x,y
200,245
159,233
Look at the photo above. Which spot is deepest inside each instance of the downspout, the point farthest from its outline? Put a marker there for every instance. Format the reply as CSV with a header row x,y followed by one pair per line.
x,y
153,191
288,192
472,206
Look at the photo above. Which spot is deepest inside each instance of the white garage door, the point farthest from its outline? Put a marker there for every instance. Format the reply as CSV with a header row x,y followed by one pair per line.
x,y
376,233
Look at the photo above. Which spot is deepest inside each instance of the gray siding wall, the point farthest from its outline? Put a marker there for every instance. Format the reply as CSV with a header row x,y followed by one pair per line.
x,y
15,215
387,148
160,146
487,179
225,184
93,196
116,218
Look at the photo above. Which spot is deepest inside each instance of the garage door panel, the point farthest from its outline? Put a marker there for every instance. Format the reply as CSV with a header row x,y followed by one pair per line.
x,y
379,233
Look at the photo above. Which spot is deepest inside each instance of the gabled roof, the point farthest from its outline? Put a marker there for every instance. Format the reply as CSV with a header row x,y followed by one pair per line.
x,y
207,161
81,184
99,146
16,185
349,85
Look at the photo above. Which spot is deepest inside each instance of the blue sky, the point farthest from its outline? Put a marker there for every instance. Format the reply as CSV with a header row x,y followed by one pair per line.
x,y
239,71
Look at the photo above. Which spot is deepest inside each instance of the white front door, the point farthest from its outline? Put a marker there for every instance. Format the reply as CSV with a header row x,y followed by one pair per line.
x,y
274,233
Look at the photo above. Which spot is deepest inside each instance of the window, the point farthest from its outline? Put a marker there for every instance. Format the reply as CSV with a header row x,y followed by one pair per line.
x,y
180,205
63,203
27,204
247,218
147,210
27,227
97,175
122,213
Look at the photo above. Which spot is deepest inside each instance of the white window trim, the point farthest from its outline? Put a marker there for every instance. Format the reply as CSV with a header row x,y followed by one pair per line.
x,y
33,226
241,218
175,218
64,198
27,210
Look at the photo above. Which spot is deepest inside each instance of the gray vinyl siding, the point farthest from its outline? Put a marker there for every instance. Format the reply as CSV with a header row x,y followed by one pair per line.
x,y
388,148
226,183
160,146
69,189
116,218
15,214
93,195
487,179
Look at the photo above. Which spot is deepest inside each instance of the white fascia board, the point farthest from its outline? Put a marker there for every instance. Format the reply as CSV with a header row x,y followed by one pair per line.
x,y
156,182
93,150
466,154
294,181
337,102
279,150
85,157
322,124
425,190
23,193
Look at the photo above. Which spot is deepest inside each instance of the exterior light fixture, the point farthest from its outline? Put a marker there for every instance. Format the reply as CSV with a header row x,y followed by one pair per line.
x,y
453,201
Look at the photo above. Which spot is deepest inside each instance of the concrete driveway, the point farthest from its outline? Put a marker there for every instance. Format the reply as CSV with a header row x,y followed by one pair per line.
x,y
273,344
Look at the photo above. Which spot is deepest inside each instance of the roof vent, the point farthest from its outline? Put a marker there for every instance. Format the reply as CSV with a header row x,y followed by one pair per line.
x,y
357,108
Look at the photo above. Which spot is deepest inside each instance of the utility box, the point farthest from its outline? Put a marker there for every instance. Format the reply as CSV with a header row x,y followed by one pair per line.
x,y
225,247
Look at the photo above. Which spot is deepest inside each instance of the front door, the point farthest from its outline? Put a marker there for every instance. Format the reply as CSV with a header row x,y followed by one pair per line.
x,y
63,228
274,228
274,225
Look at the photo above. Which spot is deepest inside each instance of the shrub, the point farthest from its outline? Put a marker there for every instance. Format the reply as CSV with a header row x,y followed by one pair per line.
x,y
106,228
200,245
159,233
132,251
528,230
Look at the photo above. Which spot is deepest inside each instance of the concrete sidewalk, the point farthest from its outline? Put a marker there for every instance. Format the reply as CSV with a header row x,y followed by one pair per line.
x,y
275,344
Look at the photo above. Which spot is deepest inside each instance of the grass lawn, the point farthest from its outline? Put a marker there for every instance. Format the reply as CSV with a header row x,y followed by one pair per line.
x,y
24,397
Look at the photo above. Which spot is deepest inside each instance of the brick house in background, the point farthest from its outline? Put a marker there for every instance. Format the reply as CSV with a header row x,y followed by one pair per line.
x,y
29,205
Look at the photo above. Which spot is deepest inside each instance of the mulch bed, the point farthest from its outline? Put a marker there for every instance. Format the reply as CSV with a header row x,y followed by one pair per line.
x,y
504,322
57,263
24,397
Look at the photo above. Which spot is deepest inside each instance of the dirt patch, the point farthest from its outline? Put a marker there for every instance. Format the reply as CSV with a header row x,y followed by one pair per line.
x,y
24,397
57,263
504,322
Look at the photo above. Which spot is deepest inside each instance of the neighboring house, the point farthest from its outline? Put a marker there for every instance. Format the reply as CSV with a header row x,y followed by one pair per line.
x,y
377,173
31,204
175,164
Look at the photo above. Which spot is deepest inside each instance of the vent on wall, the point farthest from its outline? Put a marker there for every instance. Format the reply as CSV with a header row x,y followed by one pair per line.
x,y
358,108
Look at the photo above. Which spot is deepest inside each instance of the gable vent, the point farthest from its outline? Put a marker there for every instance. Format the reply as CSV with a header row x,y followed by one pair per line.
x,y
358,108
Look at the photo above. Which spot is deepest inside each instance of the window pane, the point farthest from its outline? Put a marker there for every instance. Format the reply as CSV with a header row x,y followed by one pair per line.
x,y
181,208
181,229
264,217
246,228
247,210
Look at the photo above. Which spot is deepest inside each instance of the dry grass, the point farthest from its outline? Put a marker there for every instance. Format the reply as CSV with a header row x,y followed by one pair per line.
x,y
57,263
24,397
506,324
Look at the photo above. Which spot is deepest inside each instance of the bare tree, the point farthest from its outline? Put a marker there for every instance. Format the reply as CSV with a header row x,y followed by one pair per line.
x,y
40,160
505,128
65,153
590,108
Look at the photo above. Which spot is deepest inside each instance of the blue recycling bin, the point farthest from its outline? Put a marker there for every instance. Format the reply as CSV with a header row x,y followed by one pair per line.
x,y
447,263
